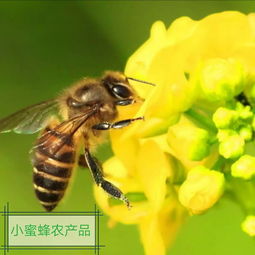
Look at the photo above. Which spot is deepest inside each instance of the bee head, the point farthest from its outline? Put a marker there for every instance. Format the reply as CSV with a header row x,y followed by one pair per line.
x,y
118,86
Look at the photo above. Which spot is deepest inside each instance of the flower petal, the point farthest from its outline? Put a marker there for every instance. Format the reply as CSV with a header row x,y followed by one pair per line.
x,y
153,168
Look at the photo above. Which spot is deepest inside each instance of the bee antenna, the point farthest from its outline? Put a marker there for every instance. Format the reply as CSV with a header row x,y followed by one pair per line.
x,y
146,82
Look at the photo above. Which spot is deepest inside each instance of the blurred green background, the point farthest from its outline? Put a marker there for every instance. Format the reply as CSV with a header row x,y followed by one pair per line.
x,y
45,46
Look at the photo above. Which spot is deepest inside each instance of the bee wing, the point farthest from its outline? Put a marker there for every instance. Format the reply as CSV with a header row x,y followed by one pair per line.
x,y
30,119
64,131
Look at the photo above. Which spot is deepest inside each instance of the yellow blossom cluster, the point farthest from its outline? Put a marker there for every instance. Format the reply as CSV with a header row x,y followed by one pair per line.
x,y
172,164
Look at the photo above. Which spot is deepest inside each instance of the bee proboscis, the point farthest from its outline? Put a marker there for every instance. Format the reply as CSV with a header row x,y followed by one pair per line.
x,y
74,120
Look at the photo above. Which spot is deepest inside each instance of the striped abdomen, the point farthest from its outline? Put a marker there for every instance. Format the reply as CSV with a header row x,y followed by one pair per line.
x,y
53,161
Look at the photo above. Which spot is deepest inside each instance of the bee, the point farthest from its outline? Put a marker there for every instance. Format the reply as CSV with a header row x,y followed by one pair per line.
x,y
73,122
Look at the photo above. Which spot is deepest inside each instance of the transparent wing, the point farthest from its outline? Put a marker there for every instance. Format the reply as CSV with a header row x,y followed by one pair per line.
x,y
29,120
64,131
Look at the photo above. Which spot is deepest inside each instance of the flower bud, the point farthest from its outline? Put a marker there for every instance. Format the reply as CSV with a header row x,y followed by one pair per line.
x,y
248,225
246,133
201,190
221,79
224,118
225,133
245,112
232,146
189,141
244,167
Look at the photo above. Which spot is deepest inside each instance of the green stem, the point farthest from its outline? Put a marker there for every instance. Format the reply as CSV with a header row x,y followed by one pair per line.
x,y
219,164
244,192
201,120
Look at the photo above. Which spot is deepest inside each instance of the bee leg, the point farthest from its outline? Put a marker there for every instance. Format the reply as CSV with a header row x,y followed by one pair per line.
x,y
97,174
115,125
82,161
125,102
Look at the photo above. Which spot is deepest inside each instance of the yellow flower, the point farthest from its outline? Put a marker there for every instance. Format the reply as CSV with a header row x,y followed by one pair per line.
x,y
196,71
159,214
158,230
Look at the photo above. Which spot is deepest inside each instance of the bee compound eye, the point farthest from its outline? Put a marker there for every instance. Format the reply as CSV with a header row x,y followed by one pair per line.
x,y
121,91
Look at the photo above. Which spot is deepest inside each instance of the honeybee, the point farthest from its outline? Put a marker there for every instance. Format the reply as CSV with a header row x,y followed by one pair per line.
x,y
74,121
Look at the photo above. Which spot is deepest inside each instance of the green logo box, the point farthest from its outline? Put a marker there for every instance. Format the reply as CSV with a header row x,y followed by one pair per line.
x,y
50,231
